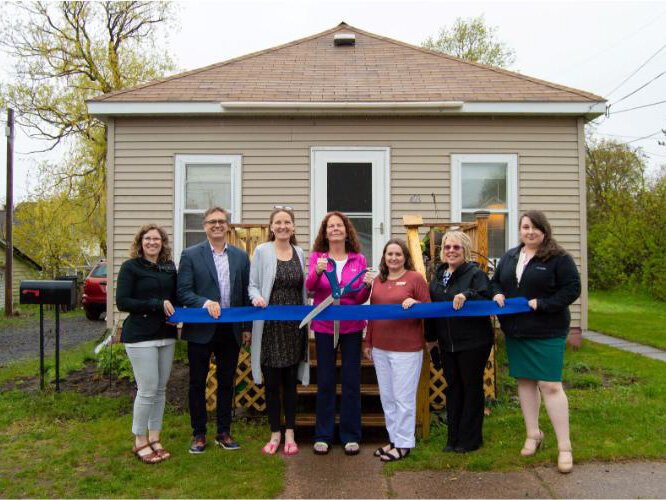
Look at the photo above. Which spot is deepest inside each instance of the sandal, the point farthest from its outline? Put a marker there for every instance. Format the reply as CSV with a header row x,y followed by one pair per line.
x,y
270,448
148,458
352,448
390,457
290,449
320,448
383,449
161,452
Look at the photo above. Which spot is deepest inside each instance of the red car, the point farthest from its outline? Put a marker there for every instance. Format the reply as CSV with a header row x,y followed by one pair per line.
x,y
94,292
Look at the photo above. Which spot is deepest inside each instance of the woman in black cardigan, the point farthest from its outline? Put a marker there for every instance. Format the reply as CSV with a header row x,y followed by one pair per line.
x,y
541,271
464,342
146,289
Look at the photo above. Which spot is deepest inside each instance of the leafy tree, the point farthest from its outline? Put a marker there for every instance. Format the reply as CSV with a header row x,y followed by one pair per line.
x,y
53,232
65,53
625,217
615,176
471,39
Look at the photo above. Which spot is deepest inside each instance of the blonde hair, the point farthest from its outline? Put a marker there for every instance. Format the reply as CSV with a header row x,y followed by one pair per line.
x,y
461,238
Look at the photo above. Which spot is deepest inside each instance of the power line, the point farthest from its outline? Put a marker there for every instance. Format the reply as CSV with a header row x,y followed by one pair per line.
x,y
567,69
637,107
640,88
637,70
646,136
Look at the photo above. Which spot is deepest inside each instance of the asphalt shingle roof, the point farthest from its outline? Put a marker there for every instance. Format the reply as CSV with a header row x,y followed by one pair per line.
x,y
375,69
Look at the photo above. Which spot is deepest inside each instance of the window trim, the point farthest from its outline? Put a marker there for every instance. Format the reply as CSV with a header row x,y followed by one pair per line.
x,y
181,162
511,161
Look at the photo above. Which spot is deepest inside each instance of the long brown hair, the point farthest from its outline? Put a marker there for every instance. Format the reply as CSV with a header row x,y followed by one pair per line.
x,y
136,247
549,247
383,268
351,241
290,213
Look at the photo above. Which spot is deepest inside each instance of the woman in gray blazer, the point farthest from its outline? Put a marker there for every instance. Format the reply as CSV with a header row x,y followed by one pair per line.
x,y
279,348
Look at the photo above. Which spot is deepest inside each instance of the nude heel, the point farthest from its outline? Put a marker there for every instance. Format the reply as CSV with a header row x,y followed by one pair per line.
x,y
565,461
532,445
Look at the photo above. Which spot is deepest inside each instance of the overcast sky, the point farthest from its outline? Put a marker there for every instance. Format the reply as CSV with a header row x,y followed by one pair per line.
x,y
593,46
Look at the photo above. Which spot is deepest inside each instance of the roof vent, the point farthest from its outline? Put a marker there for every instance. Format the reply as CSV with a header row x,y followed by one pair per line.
x,y
344,39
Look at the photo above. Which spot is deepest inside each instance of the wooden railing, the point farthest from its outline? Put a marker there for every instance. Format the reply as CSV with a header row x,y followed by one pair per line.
x,y
430,392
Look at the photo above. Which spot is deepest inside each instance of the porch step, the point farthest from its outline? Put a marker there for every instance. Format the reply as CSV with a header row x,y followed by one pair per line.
x,y
338,362
367,419
366,390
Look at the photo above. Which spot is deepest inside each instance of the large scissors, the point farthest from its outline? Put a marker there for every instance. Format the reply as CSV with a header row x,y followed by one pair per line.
x,y
334,298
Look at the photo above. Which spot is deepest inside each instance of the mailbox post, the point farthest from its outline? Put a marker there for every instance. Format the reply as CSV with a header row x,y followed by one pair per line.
x,y
49,292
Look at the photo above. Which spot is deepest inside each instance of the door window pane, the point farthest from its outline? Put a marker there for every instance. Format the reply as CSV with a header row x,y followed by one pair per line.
x,y
483,185
349,187
363,225
207,186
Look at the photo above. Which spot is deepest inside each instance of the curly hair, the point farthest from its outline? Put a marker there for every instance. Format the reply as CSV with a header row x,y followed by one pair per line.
x,y
351,241
549,247
290,213
136,247
383,268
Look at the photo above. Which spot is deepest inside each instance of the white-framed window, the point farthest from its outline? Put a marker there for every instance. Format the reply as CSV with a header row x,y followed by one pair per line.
x,y
203,181
487,182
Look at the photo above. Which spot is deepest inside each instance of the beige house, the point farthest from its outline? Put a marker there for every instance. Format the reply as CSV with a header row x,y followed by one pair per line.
x,y
353,121
23,268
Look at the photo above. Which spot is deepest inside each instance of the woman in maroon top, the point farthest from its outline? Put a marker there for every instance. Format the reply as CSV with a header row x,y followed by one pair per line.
x,y
396,347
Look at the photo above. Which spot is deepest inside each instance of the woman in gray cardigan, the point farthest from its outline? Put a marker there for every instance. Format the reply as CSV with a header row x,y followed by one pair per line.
x,y
279,348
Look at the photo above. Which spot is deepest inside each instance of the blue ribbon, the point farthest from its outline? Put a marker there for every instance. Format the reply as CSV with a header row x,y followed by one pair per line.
x,y
378,311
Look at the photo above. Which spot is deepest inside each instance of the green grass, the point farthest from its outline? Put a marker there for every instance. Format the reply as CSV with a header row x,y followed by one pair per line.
x,y
629,315
26,313
618,411
70,445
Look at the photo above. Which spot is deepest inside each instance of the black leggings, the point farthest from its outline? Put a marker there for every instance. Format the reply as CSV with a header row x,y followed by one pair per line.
x,y
285,379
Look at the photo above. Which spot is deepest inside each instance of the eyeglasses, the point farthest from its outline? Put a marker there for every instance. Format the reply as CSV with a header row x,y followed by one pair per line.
x,y
453,247
146,238
283,207
216,222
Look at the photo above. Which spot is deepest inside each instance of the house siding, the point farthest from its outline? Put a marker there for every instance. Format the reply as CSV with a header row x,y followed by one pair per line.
x,y
276,167
20,271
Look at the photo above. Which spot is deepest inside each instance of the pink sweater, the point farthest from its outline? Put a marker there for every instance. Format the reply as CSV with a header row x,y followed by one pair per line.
x,y
319,285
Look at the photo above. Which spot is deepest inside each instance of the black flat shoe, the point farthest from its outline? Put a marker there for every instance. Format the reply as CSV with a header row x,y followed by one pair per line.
x,y
390,457
381,451
448,449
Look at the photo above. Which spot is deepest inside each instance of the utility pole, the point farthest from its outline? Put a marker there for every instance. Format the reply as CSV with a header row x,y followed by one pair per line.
x,y
9,209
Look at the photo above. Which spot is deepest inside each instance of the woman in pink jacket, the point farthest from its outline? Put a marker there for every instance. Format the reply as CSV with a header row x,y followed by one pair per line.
x,y
337,239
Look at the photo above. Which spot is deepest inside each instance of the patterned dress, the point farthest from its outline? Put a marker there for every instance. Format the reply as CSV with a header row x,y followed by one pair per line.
x,y
283,343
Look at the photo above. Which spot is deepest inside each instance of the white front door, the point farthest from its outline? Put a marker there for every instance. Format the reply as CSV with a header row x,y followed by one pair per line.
x,y
354,181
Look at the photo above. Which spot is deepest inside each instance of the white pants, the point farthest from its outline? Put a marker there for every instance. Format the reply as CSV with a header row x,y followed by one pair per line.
x,y
398,377
152,367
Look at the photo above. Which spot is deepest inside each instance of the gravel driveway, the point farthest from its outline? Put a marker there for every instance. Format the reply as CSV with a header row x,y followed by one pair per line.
x,y
18,342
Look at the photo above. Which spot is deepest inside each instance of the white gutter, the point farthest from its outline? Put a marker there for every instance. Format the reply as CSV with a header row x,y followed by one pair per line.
x,y
257,108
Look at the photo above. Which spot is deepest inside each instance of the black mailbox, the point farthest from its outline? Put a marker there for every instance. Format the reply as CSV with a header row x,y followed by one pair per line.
x,y
48,292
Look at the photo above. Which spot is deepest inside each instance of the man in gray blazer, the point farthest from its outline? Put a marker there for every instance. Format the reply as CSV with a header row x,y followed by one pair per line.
x,y
213,275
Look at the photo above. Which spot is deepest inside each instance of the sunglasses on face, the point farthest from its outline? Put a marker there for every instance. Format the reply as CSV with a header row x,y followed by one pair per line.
x,y
453,247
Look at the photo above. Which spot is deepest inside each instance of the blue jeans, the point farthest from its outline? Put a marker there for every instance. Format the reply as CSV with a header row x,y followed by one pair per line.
x,y
350,402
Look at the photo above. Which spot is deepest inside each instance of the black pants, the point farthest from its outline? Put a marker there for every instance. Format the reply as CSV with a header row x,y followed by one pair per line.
x,y
226,350
284,380
463,372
